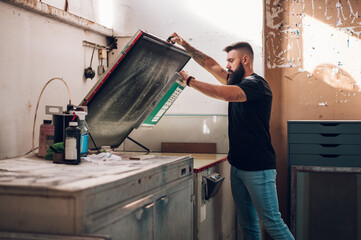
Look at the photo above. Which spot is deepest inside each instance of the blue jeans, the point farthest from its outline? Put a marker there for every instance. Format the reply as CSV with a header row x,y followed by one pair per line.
x,y
255,195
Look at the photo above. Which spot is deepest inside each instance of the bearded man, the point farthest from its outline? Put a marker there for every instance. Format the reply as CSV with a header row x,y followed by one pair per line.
x,y
251,154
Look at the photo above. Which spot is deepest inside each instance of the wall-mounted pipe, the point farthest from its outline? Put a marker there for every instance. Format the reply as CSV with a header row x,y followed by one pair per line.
x,y
62,16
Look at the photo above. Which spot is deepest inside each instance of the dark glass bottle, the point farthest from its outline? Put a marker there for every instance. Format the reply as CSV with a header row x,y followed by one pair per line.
x,y
72,144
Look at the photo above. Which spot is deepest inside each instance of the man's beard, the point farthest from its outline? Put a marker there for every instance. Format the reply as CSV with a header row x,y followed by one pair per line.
x,y
236,76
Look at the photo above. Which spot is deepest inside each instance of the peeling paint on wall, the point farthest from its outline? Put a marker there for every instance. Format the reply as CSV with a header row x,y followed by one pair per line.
x,y
319,39
291,31
281,29
326,84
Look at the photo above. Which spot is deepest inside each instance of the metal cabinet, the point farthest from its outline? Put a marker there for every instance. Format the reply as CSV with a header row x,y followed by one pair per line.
x,y
150,199
214,218
324,165
164,214
324,143
133,221
173,212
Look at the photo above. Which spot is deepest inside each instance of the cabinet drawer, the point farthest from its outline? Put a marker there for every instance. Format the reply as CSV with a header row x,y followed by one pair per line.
x,y
326,149
325,127
334,160
325,138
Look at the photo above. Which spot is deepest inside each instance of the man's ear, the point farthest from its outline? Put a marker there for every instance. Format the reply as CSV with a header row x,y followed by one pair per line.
x,y
245,59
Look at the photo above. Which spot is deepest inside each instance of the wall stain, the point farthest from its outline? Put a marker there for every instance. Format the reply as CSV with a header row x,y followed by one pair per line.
x,y
29,106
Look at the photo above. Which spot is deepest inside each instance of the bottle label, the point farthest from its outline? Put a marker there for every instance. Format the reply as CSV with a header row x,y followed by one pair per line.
x,y
49,141
70,149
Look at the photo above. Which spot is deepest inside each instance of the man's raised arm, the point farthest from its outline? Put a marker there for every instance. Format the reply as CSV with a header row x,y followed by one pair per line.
x,y
202,59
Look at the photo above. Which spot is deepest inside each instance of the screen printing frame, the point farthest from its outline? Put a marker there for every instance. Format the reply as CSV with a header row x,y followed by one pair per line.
x,y
132,87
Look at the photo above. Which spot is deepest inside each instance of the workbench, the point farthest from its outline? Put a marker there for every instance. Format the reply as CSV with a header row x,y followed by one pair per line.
x,y
126,199
138,199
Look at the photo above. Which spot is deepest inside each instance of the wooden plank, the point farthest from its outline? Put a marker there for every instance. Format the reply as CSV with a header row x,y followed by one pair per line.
x,y
39,236
181,147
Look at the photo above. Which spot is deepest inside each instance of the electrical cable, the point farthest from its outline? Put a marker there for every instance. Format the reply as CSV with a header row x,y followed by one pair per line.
x,y
37,105
24,155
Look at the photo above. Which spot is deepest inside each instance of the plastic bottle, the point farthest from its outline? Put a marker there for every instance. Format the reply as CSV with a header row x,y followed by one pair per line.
x,y
46,137
72,144
84,131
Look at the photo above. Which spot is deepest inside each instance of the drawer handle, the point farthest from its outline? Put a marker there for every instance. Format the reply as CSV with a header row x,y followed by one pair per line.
x,y
149,206
329,134
330,155
330,145
164,199
329,124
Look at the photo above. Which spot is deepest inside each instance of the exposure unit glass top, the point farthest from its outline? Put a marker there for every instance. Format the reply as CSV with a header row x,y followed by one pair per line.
x,y
131,88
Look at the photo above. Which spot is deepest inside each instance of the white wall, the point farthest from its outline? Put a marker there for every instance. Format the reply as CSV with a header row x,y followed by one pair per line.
x,y
33,50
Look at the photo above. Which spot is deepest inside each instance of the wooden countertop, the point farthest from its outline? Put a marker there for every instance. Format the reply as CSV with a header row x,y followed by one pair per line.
x,y
201,161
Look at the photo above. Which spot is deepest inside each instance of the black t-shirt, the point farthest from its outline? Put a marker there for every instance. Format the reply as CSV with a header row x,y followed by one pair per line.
x,y
250,147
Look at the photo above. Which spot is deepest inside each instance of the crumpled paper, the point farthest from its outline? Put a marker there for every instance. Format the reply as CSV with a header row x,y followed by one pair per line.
x,y
102,157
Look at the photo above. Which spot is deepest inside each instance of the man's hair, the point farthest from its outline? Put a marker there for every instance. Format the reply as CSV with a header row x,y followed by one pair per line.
x,y
240,45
